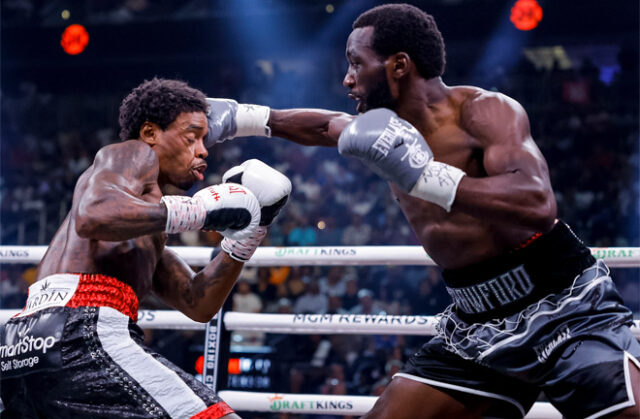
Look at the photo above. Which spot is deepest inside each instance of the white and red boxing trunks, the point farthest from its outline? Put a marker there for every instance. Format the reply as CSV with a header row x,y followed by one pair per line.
x,y
75,351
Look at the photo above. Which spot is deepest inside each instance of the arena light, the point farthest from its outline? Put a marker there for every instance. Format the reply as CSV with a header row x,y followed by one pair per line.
x,y
199,364
526,14
75,39
233,367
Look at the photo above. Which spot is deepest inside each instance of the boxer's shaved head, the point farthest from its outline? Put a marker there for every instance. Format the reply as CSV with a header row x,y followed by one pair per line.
x,y
159,101
405,28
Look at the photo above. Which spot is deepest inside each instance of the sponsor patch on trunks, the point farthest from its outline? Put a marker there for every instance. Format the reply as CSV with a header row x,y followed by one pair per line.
x,y
31,344
53,291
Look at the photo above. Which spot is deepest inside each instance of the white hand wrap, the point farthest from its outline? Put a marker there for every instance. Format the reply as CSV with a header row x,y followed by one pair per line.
x,y
438,183
183,213
242,250
252,120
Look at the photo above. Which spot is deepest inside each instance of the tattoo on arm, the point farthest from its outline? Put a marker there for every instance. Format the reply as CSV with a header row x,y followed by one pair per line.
x,y
198,295
109,201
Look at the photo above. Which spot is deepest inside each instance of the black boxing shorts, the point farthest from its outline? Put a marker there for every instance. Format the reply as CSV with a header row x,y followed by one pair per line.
x,y
547,318
75,351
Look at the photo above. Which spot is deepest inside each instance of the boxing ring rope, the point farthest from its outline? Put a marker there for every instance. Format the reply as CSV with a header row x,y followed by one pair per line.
x,y
311,323
615,257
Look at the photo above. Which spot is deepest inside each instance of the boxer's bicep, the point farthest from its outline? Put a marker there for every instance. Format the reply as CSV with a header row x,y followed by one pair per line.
x,y
110,206
500,127
516,188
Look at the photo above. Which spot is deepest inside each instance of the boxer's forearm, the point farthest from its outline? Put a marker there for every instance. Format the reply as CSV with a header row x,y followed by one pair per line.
x,y
312,127
198,295
212,285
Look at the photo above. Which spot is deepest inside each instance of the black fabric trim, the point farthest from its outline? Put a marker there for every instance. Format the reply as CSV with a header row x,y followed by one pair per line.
x,y
552,262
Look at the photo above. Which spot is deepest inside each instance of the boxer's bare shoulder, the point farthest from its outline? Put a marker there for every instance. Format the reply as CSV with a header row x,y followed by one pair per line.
x,y
492,117
133,159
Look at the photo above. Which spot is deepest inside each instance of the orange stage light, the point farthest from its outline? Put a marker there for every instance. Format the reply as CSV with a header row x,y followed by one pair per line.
x,y
526,14
75,39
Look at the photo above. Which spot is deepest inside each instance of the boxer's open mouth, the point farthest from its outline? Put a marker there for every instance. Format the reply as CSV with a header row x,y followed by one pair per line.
x,y
198,171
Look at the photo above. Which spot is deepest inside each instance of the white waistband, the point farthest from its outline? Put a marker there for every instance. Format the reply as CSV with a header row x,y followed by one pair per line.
x,y
51,291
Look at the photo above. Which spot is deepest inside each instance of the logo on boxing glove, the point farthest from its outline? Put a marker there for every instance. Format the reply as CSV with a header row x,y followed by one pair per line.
x,y
271,187
397,134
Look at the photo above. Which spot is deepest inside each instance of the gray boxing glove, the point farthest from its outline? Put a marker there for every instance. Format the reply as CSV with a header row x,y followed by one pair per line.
x,y
230,119
397,152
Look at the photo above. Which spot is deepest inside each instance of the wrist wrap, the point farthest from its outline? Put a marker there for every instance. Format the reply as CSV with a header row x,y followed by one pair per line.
x,y
242,250
183,213
252,120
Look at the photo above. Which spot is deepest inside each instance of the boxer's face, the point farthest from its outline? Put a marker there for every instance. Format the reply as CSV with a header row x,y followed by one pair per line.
x,y
366,76
181,151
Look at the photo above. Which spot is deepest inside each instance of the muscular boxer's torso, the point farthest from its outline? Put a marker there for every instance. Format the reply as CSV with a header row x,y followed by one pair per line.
x,y
131,261
456,239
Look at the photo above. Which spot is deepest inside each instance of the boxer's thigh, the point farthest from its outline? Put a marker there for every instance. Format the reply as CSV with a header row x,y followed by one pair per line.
x,y
437,383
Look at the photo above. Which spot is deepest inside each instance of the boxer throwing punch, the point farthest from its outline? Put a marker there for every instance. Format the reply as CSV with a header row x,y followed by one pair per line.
x,y
531,309
75,350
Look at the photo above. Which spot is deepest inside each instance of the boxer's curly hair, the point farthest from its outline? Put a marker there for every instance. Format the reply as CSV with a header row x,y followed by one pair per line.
x,y
159,101
405,28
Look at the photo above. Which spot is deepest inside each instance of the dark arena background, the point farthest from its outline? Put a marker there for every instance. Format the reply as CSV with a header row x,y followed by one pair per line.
x,y
575,69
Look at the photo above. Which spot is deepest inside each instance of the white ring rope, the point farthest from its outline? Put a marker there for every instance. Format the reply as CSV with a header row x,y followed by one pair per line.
x,y
301,324
615,257
330,404
335,324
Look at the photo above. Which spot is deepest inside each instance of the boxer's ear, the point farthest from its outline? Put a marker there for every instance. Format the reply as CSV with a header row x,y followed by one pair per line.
x,y
398,65
149,133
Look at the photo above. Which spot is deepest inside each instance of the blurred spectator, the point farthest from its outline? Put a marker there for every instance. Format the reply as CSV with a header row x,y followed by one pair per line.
x,y
334,305
266,291
333,283
303,234
312,301
366,304
350,298
245,301
357,233
431,296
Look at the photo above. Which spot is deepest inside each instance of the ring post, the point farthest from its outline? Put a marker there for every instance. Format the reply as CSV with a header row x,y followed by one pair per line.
x,y
212,351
